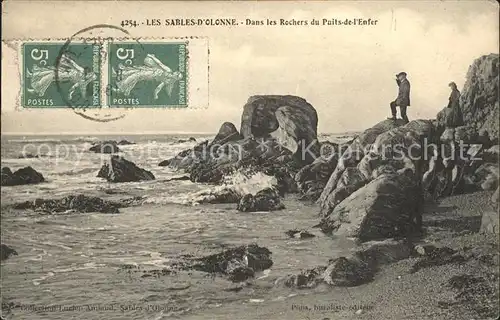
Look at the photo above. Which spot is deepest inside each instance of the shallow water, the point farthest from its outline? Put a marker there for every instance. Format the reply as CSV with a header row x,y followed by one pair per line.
x,y
91,266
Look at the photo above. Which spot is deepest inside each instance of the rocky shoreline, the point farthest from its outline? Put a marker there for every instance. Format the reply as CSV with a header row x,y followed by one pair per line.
x,y
363,189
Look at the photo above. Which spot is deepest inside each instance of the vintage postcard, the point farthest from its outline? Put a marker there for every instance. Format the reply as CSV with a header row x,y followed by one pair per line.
x,y
247,160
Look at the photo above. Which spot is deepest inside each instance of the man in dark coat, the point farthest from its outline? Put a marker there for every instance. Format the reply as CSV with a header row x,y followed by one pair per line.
x,y
403,99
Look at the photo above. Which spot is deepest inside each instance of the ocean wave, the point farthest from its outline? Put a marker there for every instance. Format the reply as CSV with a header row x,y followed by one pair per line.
x,y
54,140
241,182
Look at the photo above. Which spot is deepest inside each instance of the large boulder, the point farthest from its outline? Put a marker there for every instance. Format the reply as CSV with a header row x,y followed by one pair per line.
x,y
118,169
290,119
360,146
26,175
109,146
388,147
479,100
227,133
386,207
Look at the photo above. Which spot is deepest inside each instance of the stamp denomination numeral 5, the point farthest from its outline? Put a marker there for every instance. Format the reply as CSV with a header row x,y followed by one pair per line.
x,y
40,55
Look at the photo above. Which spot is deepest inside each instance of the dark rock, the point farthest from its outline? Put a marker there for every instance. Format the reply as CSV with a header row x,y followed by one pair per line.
x,y
6,252
479,97
26,175
437,256
109,146
78,203
312,178
287,117
118,169
225,195
227,133
306,279
238,263
361,266
124,143
299,234
164,163
264,200
181,178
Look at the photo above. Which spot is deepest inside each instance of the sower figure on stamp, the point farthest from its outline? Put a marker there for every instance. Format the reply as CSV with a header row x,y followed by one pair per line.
x,y
403,99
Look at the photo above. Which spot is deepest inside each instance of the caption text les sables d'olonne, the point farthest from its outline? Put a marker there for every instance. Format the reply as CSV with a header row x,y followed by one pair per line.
x,y
230,22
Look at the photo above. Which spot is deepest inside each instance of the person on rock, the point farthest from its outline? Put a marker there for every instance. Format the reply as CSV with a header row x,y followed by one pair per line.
x,y
403,99
455,118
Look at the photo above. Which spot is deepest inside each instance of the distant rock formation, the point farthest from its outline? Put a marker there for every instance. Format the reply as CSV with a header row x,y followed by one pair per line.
x,y
118,169
26,175
109,146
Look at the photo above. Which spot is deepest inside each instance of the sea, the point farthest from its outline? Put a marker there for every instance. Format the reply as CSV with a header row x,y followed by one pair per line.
x,y
93,265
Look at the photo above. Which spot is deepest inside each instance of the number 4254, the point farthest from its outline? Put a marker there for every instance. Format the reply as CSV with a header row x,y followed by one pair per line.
x,y
129,23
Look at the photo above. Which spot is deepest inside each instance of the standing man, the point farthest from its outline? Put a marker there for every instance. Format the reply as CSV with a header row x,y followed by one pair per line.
x,y
403,99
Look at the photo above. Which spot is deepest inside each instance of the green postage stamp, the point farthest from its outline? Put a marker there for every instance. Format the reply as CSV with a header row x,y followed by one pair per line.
x,y
147,74
111,73
61,75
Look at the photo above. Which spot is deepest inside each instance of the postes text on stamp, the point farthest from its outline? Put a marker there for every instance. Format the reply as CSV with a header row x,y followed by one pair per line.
x,y
147,74
61,75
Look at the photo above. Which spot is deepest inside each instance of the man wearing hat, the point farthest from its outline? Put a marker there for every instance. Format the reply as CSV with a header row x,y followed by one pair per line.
x,y
403,99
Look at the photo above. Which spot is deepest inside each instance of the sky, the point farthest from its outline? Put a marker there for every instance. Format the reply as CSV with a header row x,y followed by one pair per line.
x,y
346,73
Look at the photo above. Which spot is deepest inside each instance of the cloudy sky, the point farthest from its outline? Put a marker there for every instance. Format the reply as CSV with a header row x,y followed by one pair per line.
x,y
346,73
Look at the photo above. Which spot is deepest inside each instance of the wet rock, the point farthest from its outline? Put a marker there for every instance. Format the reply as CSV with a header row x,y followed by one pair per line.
x,y
225,195
181,178
306,279
479,97
124,142
299,234
164,163
239,264
6,252
264,200
109,146
384,208
77,203
489,222
295,118
312,178
26,175
118,169
437,256
345,272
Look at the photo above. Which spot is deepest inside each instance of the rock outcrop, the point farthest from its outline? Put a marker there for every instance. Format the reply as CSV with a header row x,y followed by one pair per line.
x,y
118,169
290,119
355,269
479,99
77,203
26,175
109,146
386,207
